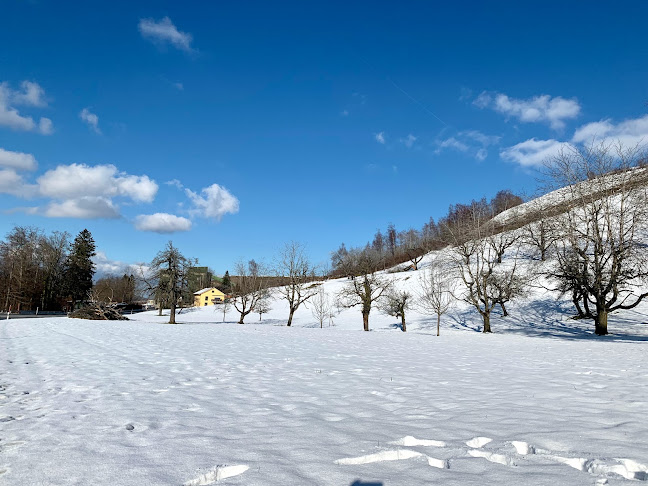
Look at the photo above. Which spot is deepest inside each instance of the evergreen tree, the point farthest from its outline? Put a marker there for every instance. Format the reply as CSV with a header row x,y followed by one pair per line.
x,y
226,283
80,269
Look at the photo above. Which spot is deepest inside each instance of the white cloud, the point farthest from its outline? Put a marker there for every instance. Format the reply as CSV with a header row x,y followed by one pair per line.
x,y
479,137
164,31
17,160
106,266
409,140
345,113
452,142
31,95
45,126
175,183
539,109
472,142
481,154
162,223
11,183
88,207
178,86
91,119
533,153
79,180
380,137
629,132
213,202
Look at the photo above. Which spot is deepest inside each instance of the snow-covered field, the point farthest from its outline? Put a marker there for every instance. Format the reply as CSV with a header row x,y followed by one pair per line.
x,y
540,401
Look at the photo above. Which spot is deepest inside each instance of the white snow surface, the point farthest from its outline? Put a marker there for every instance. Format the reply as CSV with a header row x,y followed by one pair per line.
x,y
143,402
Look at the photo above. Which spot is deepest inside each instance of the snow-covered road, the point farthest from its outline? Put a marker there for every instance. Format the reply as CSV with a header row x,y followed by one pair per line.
x,y
144,403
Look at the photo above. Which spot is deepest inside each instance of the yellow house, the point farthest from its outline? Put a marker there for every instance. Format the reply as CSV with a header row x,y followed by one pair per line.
x,y
208,296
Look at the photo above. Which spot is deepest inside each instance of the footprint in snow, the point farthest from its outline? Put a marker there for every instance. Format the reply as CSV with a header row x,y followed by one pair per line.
x,y
216,474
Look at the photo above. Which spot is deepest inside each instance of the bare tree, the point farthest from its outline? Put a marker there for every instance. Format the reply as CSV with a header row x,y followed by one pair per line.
x,y
248,288
321,306
169,277
226,305
294,265
365,289
263,306
395,304
415,255
477,257
541,235
436,292
600,254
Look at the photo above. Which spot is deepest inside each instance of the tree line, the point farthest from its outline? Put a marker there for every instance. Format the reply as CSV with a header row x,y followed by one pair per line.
x,y
392,247
44,271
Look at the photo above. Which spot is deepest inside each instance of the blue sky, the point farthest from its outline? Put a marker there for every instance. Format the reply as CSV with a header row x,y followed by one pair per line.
x,y
234,127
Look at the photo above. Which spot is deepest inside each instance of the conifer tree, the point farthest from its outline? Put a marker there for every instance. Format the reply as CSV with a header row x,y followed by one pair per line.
x,y
80,268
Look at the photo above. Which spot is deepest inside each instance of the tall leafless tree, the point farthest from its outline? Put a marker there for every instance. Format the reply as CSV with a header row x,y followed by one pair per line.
x,y
294,265
601,255
435,296
477,257
365,289
168,277
248,288
321,306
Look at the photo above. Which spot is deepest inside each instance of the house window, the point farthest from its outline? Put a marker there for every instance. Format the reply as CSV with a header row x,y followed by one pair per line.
x,y
206,298
205,304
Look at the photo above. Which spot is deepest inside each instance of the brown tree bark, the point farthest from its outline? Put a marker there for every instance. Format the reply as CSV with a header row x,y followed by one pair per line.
x,y
365,320
487,327
403,326
600,323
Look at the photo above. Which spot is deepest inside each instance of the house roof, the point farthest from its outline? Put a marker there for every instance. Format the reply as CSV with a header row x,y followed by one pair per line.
x,y
205,290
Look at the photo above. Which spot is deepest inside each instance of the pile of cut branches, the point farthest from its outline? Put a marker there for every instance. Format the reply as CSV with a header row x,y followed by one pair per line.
x,y
98,312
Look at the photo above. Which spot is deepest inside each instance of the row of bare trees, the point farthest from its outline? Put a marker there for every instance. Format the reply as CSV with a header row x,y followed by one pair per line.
x,y
592,243
392,247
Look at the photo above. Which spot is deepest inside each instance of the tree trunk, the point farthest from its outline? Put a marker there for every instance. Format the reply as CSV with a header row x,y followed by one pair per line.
x,y
438,324
172,316
290,316
504,311
365,320
241,319
403,326
487,327
600,323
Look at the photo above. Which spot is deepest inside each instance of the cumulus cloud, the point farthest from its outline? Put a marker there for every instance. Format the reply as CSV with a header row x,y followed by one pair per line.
x,y
91,119
30,94
213,202
17,160
628,132
80,180
76,190
380,137
409,140
164,32
88,207
539,109
11,183
533,153
106,266
162,223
